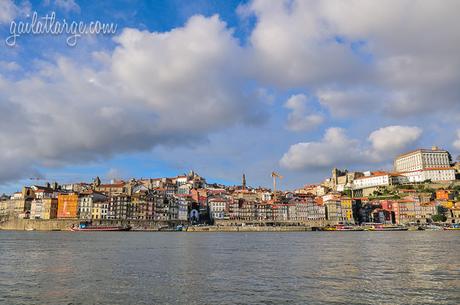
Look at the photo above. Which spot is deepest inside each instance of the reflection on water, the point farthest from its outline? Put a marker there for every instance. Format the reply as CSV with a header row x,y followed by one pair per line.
x,y
230,268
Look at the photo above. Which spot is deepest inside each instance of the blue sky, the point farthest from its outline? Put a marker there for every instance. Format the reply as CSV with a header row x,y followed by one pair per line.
x,y
226,88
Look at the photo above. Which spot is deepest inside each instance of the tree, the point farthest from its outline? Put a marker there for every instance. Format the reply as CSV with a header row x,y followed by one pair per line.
x,y
439,218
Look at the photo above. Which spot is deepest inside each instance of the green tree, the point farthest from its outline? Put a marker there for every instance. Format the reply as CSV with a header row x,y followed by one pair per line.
x,y
439,218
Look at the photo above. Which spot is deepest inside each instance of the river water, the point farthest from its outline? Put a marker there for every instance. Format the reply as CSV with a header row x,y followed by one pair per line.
x,y
230,268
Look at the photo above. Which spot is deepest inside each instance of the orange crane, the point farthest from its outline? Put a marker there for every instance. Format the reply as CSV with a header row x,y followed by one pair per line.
x,y
274,176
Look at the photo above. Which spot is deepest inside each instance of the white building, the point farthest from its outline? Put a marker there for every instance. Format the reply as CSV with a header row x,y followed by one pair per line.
x,y
86,203
425,164
265,196
182,207
181,180
316,212
433,174
217,208
422,159
376,179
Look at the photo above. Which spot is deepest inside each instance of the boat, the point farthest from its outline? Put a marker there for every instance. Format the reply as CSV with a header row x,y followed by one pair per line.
x,y
453,227
85,227
181,228
388,228
348,228
30,229
433,228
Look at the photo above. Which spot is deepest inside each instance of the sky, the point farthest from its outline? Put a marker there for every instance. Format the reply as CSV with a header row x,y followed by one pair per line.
x,y
226,88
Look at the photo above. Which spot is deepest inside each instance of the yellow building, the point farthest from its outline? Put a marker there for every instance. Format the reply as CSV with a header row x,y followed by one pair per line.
x,y
347,210
447,204
96,211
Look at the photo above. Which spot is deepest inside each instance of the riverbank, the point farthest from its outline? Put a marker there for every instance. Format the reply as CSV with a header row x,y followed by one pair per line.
x,y
17,224
138,226
149,226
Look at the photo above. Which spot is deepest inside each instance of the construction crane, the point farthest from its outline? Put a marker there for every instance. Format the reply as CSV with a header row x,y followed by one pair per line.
x,y
274,176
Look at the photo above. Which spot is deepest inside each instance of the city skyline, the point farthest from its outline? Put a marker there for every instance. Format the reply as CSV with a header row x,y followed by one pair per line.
x,y
226,89
434,164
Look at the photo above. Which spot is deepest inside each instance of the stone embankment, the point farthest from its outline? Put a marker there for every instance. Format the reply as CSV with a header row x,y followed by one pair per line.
x,y
66,224
38,224
139,225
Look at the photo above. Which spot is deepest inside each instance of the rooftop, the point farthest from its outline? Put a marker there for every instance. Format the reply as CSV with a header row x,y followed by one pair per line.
x,y
433,149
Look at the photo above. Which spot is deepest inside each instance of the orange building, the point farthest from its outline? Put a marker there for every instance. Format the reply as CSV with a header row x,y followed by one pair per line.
x,y
444,195
67,206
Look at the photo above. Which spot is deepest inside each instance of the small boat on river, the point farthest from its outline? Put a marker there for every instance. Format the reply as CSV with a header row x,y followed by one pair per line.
x,y
388,228
453,227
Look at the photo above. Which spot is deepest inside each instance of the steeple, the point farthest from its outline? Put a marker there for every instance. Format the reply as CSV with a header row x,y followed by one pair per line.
x,y
244,181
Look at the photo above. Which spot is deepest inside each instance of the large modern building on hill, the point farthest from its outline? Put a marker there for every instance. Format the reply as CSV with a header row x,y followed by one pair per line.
x,y
425,164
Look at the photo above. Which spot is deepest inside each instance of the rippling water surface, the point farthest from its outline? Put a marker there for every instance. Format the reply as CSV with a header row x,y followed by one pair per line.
x,y
230,268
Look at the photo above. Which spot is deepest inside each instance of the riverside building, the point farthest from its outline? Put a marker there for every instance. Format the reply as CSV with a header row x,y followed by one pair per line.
x,y
425,164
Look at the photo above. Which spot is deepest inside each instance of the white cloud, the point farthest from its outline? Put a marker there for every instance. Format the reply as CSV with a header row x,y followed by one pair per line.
x,y
301,118
335,149
399,58
176,87
170,88
292,46
389,141
198,68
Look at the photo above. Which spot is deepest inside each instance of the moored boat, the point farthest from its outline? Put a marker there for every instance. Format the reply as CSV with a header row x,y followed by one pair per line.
x,y
83,227
348,228
453,227
389,228
432,228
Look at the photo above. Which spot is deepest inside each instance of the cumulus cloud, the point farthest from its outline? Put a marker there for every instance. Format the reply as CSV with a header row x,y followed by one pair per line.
x,y
292,46
391,140
336,149
173,88
407,49
301,118
169,88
